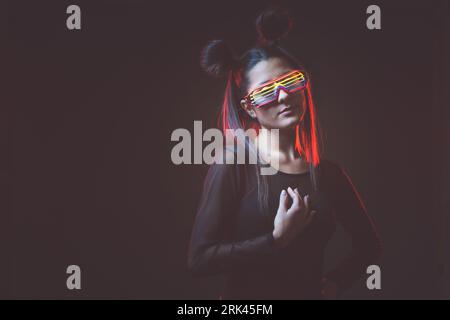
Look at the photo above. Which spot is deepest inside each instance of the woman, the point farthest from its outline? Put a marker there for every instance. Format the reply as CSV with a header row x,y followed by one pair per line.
x,y
267,233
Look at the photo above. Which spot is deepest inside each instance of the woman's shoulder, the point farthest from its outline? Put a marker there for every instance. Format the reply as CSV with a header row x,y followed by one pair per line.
x,y
328,165
333,176
331,171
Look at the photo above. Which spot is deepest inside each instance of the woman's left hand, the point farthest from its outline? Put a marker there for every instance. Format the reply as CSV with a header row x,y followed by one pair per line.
x,y
329,289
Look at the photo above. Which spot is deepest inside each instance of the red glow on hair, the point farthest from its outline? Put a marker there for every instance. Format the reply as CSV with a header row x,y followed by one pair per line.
x,y
308,147
225,107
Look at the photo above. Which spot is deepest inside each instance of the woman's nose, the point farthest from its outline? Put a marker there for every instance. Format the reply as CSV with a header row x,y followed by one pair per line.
x,y
282,95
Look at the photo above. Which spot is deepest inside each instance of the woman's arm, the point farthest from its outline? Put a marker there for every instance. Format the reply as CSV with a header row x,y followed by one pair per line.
x,y
208,252
352,215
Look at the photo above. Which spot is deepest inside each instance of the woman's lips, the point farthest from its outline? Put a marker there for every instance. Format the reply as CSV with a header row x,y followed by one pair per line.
x,y
286,110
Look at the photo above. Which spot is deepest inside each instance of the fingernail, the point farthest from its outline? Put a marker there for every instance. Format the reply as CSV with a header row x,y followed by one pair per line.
x,y
283,192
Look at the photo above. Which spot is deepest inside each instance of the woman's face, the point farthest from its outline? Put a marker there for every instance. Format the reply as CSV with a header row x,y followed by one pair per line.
x,y
284,113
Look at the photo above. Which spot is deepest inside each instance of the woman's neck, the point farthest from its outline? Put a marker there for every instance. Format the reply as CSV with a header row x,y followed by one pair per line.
x,y
281,145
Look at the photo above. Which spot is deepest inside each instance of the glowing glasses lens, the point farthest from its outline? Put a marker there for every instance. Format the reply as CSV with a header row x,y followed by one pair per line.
x,y
291,82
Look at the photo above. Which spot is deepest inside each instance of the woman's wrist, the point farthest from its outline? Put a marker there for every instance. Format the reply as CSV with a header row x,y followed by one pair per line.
x,y
278,239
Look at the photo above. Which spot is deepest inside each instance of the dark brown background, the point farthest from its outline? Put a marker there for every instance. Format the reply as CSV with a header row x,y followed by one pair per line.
x,y
86,124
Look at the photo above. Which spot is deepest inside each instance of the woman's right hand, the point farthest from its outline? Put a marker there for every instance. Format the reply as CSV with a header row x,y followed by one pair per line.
x,y
289,222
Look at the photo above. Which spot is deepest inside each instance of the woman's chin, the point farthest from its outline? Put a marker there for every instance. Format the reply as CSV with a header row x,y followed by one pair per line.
x,y
288,123
288,120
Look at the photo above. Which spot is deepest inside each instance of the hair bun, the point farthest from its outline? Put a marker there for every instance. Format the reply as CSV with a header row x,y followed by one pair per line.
x,y
273,24
217,58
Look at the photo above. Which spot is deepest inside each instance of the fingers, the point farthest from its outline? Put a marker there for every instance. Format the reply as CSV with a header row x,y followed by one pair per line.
x,y
301,203
295,198
309,212
305,201
283,200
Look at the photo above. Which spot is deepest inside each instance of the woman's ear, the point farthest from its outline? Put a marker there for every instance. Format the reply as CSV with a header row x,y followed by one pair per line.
x,y
248,109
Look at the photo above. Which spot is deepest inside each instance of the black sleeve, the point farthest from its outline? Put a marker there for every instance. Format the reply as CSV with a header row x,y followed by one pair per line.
x,y
352,215
209,252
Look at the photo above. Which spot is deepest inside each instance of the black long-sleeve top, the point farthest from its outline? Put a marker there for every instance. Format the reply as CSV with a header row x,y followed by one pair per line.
x,y
232,236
